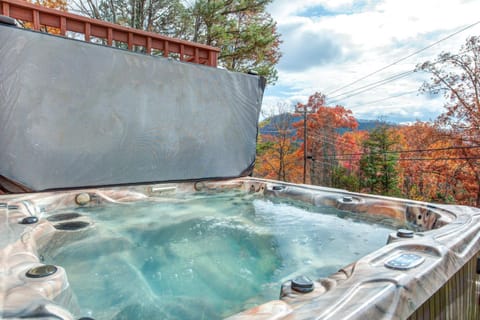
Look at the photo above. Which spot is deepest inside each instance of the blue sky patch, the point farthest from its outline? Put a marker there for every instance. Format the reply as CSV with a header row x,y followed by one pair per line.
x,y
318,11
280,91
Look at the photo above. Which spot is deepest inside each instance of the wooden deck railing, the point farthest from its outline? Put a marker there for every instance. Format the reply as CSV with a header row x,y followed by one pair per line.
x,y
40,17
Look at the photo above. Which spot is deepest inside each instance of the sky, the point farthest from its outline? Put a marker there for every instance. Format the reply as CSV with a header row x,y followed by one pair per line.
x,y
328,44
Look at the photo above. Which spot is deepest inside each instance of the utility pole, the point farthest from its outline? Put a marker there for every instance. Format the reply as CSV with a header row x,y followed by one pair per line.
x,y
304,108
304,143
314,102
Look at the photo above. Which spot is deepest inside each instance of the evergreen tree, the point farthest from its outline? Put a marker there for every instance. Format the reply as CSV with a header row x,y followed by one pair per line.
x,y
378,172
245,33
167,17
343,179
242,29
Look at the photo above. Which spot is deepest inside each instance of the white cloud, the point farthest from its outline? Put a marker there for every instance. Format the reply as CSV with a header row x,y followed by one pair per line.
x,y
329,44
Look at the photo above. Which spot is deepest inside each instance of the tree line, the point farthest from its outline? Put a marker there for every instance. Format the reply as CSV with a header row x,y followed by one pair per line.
x,y
430,161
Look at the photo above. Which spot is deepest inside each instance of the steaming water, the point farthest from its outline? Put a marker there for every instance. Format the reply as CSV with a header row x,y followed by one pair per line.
x,y
205,257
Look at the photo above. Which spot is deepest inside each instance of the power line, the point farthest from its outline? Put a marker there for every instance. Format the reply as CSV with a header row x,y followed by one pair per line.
x,y
403,151
388,79
372,85
387,98
404,58
277,131
331,139
426,159
435,159
379,83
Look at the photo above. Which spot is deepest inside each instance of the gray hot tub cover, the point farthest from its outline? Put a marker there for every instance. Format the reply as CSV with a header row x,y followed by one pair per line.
x,y
77,114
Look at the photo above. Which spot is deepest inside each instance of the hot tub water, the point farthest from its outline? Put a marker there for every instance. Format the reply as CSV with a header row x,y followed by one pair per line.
x,y
204,256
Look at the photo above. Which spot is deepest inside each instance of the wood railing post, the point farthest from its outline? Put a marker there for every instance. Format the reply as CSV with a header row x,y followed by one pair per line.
x,y
5,9
212,58
182,52
63,26
36,20
110,36
130,41
148,48
196,58
165,48
88,31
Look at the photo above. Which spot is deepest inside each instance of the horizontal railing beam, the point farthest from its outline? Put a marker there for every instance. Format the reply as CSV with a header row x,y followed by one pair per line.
x,y
40,17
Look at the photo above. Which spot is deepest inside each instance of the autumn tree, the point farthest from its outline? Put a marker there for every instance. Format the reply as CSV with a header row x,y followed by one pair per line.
x,y
425,171
53,4
378,172
456,76
456,179
418,179
323,124
276,149
349,150
348,153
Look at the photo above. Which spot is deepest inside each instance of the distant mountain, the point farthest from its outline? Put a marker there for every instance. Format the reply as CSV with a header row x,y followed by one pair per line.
x,y
365,125
269,125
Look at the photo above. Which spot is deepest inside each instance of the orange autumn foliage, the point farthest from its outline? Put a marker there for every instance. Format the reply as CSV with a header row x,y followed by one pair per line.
x,y
276,153
323,123
434,165
349,149
279,162
438,165
455,75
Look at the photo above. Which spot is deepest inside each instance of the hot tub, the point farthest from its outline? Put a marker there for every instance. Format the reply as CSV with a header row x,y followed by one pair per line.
x,y
244,249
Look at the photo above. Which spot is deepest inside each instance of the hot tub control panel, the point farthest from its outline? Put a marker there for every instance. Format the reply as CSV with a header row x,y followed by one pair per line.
x,y
405,261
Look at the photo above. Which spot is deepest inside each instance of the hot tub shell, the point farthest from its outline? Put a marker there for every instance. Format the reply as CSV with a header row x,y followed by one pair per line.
x,y
444,285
